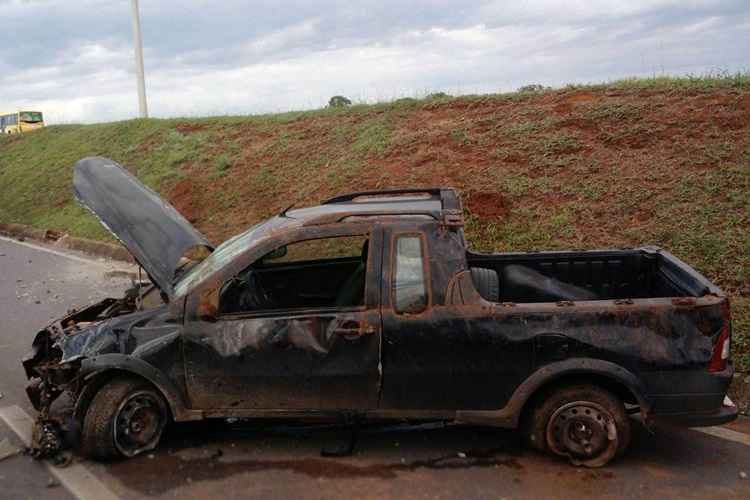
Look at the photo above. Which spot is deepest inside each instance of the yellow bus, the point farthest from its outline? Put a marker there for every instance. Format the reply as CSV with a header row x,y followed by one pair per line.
x,y
21,121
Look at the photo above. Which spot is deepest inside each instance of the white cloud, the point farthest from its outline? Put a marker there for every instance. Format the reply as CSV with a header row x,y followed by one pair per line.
x,y
230,57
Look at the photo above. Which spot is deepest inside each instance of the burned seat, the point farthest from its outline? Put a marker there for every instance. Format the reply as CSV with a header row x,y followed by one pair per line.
x,y
487,283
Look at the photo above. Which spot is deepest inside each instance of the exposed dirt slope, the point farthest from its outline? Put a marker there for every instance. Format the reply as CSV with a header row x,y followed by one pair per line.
x,y
656,162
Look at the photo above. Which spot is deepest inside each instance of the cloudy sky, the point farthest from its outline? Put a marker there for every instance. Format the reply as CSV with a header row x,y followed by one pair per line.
x,y
73,59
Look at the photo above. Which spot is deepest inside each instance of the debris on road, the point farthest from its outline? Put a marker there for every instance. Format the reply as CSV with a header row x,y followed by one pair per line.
x,y
46,438
743,475
62,459
119,273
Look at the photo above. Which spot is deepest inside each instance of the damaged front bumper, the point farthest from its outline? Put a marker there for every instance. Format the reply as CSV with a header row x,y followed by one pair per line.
x,y
51,368
53,365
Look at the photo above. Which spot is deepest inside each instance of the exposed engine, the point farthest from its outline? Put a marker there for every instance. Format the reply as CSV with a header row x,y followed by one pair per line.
x,y
51,373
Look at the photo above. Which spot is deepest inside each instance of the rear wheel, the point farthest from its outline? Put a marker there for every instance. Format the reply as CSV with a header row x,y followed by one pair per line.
x,y
126,417
585,423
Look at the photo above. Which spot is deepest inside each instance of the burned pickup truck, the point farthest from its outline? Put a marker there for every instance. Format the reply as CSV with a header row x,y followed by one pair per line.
x,y
371,306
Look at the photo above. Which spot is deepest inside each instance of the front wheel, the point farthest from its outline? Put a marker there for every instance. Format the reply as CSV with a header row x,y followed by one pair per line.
x,y
126,417
585,423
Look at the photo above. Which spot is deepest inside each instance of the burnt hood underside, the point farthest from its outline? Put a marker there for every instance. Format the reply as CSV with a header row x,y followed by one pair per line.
x,y
150,228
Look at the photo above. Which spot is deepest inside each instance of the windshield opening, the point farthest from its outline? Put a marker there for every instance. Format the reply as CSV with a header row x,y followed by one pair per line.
x,y
31,116
225,253
191,257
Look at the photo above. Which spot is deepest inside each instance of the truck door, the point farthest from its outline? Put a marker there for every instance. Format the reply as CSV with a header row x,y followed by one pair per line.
x,y
438,356
286,341
417,358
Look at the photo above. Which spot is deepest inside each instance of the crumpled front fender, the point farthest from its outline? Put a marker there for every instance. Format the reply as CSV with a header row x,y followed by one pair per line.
x,y
110,364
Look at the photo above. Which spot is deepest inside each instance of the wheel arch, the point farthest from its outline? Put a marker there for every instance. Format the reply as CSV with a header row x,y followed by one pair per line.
x,y
611,384
611,376
97,371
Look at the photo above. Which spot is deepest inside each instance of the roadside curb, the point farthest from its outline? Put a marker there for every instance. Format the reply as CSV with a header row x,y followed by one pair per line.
x,y
92,247
23,231
64,240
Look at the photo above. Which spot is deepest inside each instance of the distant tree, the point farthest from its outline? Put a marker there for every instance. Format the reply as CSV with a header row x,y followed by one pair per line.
x,y
404,101
438,95
534,87
339,101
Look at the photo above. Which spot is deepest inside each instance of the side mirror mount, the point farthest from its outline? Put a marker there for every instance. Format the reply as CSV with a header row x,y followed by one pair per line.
x,y
275,254
208,309
208,316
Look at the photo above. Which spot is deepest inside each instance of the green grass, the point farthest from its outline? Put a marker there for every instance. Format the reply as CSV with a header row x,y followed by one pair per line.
x,y
712,81
520,129
612,110
373,138
222,163
741,333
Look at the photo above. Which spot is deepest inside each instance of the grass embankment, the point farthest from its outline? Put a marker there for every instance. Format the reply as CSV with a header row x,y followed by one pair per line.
x,y
660,161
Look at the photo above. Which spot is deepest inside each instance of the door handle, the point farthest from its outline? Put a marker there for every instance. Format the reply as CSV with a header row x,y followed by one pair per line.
x,y
351,330
348,329
369,329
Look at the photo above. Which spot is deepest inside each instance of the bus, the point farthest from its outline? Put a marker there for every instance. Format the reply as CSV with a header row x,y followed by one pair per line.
x,y
21,121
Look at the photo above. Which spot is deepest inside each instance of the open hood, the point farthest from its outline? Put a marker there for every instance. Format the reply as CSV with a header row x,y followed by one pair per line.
x,y
150,228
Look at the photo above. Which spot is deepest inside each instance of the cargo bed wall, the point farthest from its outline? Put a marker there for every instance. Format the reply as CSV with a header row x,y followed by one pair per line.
x,y
609,274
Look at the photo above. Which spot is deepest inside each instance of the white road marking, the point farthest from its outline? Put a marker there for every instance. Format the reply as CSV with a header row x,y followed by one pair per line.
x,y
78,480
40,248
724,433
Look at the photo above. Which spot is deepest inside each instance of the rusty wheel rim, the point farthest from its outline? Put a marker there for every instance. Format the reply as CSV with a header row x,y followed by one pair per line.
x,y
138,423
583,431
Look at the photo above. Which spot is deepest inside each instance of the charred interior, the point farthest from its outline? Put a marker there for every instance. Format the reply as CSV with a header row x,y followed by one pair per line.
x,y
295,280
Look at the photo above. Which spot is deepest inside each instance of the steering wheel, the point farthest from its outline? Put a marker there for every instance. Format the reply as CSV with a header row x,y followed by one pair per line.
x,y
245,293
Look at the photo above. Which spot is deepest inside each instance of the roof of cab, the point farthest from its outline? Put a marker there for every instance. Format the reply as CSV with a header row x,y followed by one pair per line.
x,y
442,204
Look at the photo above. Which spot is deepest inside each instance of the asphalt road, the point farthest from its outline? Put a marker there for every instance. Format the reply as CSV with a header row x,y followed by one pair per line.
x,y
272,460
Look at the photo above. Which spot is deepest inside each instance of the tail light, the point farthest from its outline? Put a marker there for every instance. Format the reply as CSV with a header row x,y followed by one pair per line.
x,y
722,347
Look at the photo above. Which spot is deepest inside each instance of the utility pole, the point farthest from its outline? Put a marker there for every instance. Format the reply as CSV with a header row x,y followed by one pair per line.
x,y
142,106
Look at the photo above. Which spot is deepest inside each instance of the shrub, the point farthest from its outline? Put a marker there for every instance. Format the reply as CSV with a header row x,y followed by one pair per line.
x,y
339,101
534,87
438,95
222,163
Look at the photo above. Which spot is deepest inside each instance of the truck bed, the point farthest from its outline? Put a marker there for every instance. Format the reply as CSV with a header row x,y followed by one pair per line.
x,y
647,272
